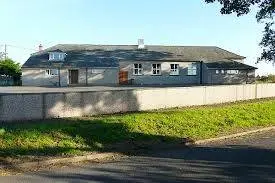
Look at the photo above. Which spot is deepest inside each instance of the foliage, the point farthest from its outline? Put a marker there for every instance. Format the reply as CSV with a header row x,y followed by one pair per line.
x,y
266,79
264,15
79,135
10,68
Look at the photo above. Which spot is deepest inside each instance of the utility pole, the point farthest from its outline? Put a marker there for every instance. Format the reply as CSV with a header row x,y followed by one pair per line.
x,y
5,51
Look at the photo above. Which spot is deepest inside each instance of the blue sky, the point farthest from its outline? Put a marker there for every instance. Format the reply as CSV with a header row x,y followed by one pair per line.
x,y
26,24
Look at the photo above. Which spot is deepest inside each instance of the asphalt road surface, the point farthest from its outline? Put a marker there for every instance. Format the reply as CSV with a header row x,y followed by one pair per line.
x,y
247,159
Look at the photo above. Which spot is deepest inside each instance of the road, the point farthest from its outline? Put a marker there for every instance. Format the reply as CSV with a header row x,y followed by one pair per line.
x,y
247,159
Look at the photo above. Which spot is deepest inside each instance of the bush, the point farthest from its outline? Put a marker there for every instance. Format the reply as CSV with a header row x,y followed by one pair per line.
x,y
266,79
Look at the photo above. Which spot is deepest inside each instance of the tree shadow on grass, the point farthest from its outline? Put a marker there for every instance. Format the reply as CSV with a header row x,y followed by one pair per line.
x,y
191,164
74,136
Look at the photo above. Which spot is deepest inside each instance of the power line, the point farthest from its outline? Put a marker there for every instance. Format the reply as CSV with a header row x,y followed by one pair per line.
x,y
5,52
18,47
21,47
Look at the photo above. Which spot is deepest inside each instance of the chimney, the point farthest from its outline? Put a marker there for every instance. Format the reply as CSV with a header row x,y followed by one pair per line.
x,y
40,47
141,44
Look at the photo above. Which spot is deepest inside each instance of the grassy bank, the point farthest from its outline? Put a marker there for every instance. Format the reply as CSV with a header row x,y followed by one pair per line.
x,y
78,135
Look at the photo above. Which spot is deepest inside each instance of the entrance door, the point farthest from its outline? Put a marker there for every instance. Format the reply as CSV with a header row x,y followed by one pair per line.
x,y
73,76
123,77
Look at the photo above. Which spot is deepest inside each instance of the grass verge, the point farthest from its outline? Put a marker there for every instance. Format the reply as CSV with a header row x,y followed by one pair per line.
x,y
73,136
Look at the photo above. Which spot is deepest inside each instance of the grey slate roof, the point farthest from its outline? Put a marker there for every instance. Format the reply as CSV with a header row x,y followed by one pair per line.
x,y
228,65
86,55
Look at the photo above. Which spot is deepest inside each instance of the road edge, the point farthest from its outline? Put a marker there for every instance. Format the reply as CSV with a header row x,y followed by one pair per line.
x,y
66,160
198,142
102,156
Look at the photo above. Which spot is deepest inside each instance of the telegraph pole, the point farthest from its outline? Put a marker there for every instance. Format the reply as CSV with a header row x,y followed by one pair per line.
x,y
5,51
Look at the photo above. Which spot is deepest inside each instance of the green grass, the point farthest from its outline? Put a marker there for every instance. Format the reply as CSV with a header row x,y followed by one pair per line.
x,y
77,135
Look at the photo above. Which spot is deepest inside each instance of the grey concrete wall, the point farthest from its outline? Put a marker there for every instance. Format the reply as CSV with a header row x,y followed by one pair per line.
x,y
103,76
265,90
38,77
95,76
99,76
165,78
243,77
55,105
204,74
109,76
21,107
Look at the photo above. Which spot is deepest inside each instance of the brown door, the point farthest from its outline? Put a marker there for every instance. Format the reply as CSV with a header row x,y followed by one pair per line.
x,y
123,77
73,74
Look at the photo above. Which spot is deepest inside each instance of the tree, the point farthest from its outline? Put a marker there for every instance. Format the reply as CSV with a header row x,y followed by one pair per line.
x,y
10,68
264,15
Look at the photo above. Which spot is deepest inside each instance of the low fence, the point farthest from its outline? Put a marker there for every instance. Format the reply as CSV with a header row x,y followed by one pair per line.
x,y
6,81
9,81
72,104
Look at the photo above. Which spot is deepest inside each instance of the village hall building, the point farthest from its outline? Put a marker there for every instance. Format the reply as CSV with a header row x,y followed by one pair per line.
x,y
86,64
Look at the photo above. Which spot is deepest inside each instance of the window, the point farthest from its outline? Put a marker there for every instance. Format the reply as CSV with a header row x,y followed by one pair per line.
x,y
192,69
156,69
174,69
52,72
137,70
56,56
217,71
232,72
222,71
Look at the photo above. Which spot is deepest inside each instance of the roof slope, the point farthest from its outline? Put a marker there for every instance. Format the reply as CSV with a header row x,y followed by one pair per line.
x,y
86,55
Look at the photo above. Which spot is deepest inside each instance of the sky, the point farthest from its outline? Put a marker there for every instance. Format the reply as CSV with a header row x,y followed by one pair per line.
x,y
26,24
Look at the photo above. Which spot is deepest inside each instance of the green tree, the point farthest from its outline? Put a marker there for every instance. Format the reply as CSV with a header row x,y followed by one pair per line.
x,y
264,15
9,67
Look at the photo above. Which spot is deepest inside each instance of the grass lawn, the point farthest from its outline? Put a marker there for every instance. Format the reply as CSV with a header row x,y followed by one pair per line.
x,y
72,136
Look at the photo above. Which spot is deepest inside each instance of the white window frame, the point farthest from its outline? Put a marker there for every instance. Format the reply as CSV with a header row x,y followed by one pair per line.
x,y
174,69
156,69
222,71
139,69
51,72
192,69
51,56
61,56
232,71
56,56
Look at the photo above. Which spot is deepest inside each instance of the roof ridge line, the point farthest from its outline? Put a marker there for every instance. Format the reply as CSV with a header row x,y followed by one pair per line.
x,y
133,45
